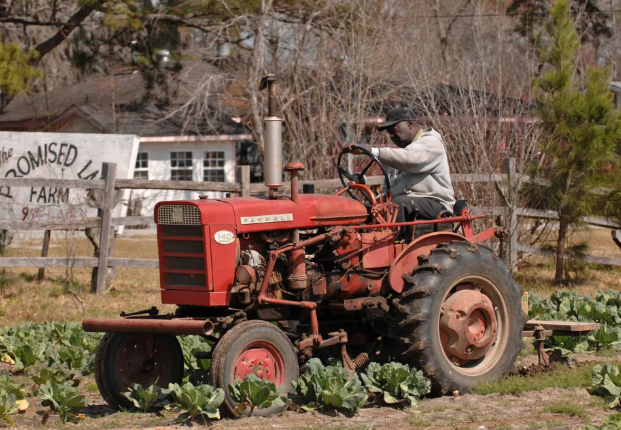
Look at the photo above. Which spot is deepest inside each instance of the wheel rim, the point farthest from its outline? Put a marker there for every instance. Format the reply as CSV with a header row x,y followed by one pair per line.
x,y
143,361
262,359
473,326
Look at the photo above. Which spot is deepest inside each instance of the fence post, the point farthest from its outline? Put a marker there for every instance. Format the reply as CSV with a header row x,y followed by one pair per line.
x,y
509,169
245,181
108,172
44,250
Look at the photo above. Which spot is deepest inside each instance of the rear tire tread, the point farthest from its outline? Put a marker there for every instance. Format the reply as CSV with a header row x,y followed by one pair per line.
x,y
426,285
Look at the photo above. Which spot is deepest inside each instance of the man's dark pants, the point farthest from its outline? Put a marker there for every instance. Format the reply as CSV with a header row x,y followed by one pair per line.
x,y
419,207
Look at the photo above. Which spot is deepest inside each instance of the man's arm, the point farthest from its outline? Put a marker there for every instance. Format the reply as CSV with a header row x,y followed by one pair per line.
x,y
420,158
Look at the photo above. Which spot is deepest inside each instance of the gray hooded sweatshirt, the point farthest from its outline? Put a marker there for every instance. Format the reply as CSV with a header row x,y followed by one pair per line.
x,y
423,169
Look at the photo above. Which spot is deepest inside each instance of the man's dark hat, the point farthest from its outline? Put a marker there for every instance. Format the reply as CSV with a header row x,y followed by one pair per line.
x,y
397,115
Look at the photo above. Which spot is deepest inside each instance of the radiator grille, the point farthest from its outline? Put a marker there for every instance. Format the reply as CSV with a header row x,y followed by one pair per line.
x,y
179,215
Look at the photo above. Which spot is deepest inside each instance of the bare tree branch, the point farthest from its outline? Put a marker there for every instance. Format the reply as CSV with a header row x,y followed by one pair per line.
x,y
45,47
27,22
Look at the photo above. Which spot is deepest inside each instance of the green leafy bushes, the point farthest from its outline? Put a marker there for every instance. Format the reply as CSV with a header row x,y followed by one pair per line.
x,y
8,406
329,387
57,374
604,308
24,352
396,382
10,386
195,368
50,343
201,400
145,399
62,399
57,355
253,392
606,382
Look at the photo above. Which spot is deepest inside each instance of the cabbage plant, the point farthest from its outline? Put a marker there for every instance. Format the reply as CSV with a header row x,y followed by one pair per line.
x,y
200,400
329,387
396,382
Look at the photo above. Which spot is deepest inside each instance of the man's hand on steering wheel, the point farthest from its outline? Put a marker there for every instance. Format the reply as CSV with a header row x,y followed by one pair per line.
x,y
359,177
356,149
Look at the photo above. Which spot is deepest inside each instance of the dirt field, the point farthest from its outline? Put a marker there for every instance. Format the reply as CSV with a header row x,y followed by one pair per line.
x,y
550,408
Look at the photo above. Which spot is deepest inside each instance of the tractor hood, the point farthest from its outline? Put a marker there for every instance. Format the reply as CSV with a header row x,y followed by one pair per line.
x,y
253,214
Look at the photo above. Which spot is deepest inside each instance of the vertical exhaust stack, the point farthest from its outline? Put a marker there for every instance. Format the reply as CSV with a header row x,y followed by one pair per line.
x,y
272,138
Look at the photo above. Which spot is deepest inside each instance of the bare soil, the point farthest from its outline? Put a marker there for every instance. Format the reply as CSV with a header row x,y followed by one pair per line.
x,y
529,410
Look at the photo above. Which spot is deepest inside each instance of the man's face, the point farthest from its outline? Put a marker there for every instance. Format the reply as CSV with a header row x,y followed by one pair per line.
x,y
402,133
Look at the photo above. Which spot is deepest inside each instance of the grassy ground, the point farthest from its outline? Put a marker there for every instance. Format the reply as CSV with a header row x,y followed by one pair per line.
x,y
536,274
64,293
562,377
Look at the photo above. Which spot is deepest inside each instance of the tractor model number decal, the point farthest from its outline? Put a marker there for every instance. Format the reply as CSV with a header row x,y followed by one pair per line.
x,y
261,219
224,237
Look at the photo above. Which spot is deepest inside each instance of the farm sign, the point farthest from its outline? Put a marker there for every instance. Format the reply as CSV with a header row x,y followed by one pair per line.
x,y
58,156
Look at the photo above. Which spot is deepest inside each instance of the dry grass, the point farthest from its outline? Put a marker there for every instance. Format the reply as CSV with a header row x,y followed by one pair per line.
x,y
536,273
22,298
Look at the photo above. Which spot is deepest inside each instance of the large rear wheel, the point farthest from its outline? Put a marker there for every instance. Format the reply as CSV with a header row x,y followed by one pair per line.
x,y
125,359
254,347
460,317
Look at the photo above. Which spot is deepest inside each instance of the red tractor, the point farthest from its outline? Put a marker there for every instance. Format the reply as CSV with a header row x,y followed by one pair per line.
x,y
282,278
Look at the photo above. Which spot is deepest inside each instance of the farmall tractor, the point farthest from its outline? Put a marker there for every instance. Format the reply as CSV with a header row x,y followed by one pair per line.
x,y
274,280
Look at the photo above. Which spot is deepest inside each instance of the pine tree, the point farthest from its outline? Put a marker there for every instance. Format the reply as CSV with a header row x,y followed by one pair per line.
x,y
16,72
581,126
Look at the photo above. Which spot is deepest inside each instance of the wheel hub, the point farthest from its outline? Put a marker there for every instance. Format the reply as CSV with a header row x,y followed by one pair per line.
x,y
468,325
140,362
262,360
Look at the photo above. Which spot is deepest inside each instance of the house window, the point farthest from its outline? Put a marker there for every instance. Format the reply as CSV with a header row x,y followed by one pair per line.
x,y
181,166
142,166
213,166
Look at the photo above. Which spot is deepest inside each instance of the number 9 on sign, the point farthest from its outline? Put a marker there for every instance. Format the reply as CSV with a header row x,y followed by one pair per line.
x,y
224,237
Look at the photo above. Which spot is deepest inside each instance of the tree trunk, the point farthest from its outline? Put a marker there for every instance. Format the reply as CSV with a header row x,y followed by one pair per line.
x,y
560,252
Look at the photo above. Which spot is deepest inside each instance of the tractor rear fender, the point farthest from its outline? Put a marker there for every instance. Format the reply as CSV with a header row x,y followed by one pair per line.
x,y
408,259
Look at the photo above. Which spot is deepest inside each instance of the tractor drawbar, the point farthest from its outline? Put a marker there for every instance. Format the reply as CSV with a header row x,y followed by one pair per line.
x,y
149,325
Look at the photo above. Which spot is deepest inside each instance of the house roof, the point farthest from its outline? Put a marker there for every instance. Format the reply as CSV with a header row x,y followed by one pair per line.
x,y
121,103
102,90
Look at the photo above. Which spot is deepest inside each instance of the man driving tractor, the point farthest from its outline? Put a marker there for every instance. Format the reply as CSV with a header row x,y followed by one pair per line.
x,y
420,177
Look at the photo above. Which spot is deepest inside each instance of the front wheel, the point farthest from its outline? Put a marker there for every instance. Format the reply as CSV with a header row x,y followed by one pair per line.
x,y
256,347
460,317
125,359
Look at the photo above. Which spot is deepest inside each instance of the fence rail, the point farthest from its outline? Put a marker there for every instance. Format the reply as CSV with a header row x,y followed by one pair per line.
x,y
108,186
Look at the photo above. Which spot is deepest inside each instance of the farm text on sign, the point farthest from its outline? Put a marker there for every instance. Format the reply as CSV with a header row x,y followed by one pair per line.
x,y
58,156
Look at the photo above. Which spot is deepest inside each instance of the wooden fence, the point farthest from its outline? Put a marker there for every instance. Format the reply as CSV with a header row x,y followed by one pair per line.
x,y
506,183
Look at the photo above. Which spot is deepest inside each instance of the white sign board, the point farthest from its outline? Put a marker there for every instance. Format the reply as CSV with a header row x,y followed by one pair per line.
x,y
58,156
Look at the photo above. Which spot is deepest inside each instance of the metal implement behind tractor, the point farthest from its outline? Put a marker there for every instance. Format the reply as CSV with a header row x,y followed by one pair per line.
x,y
283,278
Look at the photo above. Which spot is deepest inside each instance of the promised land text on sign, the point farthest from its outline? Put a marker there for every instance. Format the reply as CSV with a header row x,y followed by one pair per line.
x,y
58,156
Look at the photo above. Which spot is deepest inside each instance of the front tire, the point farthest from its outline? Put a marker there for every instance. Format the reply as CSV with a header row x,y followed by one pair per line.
x,y
125,359
254,347
460,317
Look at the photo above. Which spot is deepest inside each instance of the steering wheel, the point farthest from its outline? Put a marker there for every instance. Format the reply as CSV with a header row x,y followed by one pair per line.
x,y
359,177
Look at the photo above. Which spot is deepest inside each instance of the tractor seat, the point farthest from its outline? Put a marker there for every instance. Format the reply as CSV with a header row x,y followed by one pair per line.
x,y
458,207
